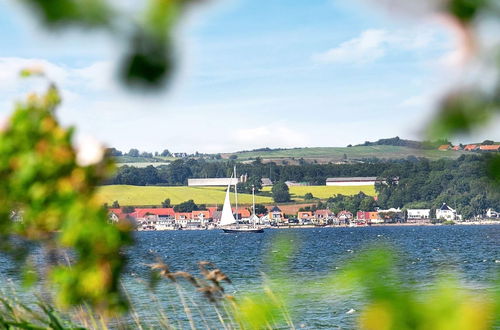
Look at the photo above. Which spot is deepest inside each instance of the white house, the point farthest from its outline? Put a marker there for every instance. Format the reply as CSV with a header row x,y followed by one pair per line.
x,y
492,214
447,213
418,214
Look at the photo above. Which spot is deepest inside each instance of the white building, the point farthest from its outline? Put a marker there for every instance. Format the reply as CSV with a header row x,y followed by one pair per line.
x,y
352,181
492,214
418,214
224,182
447,213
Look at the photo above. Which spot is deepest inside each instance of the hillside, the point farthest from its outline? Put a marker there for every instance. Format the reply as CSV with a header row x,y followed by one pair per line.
x,y
148,195
337,154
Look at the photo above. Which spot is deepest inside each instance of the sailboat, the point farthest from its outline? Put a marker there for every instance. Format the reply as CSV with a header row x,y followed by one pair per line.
x,y
228,223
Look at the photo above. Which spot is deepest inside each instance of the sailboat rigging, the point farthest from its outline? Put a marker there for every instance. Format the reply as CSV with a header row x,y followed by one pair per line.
x,y
228,223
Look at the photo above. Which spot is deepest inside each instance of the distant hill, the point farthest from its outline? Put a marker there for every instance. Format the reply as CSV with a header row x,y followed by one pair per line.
x,y
341,154
397,141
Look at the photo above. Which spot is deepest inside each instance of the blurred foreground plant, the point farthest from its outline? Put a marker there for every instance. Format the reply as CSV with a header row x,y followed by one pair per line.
x,y
149,60
47,195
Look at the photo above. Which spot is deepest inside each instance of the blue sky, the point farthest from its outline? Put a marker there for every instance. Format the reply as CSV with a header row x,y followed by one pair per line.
x,y
251,74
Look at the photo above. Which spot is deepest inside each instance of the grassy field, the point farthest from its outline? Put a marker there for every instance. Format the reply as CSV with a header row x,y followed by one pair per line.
x,y
337,153
139,195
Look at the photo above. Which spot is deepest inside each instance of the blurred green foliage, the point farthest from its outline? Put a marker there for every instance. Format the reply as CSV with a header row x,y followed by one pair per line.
x,y
54,203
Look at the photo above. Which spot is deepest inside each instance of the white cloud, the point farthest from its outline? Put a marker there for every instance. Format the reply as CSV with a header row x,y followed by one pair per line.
x,y
276,135
374,44
366,48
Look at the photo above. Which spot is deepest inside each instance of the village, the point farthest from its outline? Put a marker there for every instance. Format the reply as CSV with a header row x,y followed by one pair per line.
x,y
167,219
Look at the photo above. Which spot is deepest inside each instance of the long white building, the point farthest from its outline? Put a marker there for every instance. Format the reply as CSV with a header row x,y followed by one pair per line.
x,y
352,181
212,182
418,214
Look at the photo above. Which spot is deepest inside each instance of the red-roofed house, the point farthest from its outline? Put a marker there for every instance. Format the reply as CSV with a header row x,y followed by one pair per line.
x,y
457,148
115,215
161,212
200,215
304,215
444,147
493,147
242,213
322,216
471,147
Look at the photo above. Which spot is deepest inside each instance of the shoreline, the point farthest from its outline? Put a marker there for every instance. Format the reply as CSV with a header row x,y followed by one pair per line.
x,y
475,223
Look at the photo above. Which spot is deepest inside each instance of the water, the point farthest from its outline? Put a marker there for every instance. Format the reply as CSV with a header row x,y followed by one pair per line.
x,y
470,251
425,252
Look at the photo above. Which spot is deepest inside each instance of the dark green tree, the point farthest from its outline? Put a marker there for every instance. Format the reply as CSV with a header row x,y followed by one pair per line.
x,y
166,203
280,192
187,206
115,205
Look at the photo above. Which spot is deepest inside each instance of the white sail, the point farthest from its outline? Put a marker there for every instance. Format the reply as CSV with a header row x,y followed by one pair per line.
x,y
227,217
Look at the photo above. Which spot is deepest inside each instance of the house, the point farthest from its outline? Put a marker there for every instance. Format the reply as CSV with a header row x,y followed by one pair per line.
x,y
492,213
201,216
304,216
324,216
457,148
115,215
444,147
276,215
471,147
493,147
418,215
363,215
352,181
182,218
266,182
344,216
164,212
446,213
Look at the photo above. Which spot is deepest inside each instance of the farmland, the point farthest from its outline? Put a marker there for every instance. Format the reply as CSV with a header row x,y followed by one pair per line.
x,y
148,195
324,192
327,154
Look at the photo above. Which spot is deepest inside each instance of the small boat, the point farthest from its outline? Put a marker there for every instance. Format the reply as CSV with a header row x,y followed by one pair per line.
x,y
228,223
240,229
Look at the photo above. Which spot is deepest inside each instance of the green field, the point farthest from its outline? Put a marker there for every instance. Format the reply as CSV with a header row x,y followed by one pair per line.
x,y
324,192
147,195
337,153
140,195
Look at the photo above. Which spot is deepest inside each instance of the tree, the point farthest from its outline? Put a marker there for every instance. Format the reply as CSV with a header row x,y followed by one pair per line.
x,y
166,153
233,157
133,153
260,209
187,206
308,196
280,192
128,209
166,203
488,142
115,205
114,152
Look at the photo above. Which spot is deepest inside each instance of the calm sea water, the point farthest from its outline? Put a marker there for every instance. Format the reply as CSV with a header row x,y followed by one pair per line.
x,y
470,251
425,252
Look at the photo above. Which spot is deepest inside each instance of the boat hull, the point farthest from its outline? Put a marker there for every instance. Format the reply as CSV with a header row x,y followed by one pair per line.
x,y
243,230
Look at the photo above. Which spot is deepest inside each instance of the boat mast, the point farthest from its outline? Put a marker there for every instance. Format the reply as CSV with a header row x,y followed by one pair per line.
x,y
236,192
253,199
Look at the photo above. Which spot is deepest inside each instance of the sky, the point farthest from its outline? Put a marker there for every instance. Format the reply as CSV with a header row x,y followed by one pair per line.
x,y
251,74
